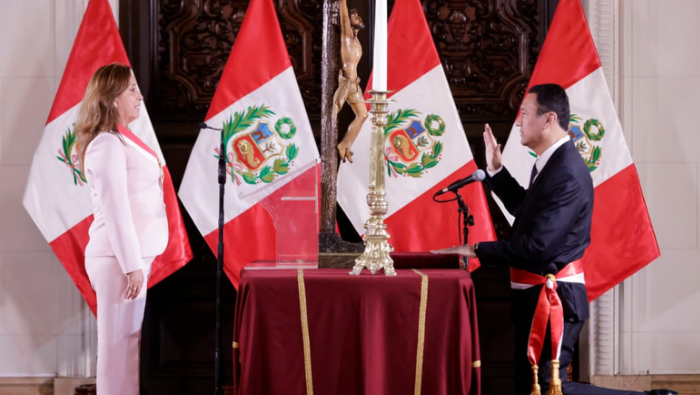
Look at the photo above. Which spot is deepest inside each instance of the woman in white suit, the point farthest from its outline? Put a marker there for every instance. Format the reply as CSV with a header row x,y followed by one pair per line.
x,y
130,226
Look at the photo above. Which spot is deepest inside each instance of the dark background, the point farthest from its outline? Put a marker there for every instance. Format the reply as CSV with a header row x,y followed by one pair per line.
x,y
178,49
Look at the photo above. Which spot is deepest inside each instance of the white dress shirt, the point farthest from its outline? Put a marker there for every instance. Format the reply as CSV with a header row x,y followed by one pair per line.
x,y
541,160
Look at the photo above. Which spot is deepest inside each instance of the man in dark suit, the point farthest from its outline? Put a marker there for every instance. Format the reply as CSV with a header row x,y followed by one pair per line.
x,y
549,236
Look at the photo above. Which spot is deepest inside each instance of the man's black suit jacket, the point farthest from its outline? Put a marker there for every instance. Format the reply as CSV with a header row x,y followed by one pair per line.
x,y
552,228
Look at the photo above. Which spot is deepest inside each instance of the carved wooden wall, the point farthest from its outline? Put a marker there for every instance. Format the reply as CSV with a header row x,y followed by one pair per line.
x,y
194,39
488,50
178,49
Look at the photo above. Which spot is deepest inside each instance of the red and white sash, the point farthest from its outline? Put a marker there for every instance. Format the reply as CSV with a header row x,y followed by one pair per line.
x,y
136,143
548,309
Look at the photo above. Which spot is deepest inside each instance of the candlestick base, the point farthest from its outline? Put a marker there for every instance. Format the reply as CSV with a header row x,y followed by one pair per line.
x,y
377,248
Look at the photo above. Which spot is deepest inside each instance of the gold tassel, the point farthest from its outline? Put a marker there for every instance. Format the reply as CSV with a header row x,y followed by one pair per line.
x,y
555,381
535,384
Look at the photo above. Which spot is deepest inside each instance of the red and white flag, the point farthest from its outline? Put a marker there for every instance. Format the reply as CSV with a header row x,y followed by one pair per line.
x,y
622,237
425,148
57,197
269,149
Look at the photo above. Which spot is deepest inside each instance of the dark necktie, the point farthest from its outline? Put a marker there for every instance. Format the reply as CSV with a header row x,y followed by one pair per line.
x,y
533,174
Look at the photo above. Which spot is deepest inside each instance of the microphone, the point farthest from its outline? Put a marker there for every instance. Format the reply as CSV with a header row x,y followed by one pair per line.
x,y
203,125
478,175
222,164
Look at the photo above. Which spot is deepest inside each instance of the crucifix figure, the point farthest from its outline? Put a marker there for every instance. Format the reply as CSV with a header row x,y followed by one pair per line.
x,y
339,45
348,82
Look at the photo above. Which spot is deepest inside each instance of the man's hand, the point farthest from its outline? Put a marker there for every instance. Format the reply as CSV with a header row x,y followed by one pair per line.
x,y
467,251
134,283
493,150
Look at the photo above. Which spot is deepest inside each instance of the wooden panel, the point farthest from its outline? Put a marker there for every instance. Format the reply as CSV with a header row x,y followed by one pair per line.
x,y
488,50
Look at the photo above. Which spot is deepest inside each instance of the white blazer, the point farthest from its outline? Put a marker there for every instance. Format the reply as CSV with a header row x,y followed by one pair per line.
x,y
127,196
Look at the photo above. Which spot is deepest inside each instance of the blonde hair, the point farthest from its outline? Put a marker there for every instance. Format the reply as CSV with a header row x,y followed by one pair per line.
x,y
98,113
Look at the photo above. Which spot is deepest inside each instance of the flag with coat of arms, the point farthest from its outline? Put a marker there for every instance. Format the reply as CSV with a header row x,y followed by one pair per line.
x,y
57,197
269,148
622,236
425,147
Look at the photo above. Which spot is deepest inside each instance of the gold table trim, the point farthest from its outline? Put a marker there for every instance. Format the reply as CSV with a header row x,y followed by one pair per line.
x,y
305,332
421,330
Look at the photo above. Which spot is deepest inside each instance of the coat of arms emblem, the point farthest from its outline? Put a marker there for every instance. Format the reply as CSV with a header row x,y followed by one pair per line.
x,y
411,145
70,158
585,139
255,149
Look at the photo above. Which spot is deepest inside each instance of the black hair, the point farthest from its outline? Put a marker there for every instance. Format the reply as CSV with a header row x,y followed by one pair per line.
x,y
552,97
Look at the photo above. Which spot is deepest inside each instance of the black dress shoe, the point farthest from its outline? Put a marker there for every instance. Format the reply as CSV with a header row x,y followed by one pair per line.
x,y
661,391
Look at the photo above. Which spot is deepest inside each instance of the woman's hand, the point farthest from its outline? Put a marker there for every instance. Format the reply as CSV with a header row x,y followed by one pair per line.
x,y
134,283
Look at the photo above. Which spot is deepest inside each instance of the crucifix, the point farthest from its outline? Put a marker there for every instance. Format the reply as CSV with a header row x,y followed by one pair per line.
x,y
340,41
377,249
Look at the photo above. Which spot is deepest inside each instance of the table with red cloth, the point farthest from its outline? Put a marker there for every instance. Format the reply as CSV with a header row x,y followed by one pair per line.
x,y
323,331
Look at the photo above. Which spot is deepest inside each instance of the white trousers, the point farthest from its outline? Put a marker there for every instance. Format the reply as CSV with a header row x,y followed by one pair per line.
x,y
118,326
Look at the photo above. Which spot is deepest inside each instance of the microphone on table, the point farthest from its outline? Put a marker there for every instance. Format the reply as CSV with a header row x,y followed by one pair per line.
x,y
478,175
203,125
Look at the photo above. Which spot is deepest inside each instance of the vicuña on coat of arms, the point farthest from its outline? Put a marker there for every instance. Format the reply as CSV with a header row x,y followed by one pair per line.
x,y
411,145
256,150
585,138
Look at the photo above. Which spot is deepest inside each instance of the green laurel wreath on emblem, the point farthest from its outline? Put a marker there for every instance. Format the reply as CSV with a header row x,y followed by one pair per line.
x,y
66,156
291,129
428,159
592,162
279,167
587,129
429,125
239,122
395,119
596,153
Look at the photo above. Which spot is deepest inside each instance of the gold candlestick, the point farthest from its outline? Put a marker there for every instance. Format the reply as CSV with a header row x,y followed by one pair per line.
x,y
377,247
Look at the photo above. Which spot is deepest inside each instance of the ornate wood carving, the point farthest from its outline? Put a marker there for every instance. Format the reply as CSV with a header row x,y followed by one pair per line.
x,y
488,50
194,40
302,27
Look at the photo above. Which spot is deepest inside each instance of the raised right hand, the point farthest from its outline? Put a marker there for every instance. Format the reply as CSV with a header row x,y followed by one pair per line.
x,y
493,150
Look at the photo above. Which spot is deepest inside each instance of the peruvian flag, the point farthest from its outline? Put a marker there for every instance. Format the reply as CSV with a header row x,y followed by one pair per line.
x,y
57,197
622,238
270,152
425,148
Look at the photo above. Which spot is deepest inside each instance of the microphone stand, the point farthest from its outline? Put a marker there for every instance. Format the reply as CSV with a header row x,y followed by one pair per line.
x,y
218,362
467,220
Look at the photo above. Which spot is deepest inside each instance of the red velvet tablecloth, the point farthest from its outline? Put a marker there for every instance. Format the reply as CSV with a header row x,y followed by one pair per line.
x,y
323,331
